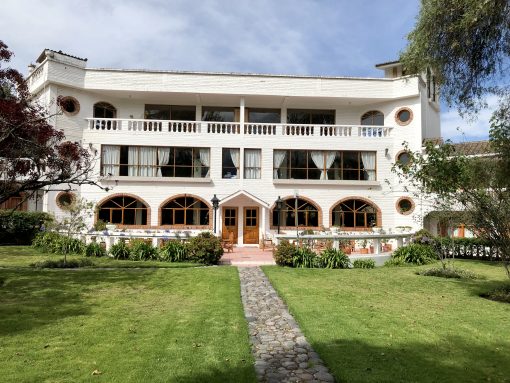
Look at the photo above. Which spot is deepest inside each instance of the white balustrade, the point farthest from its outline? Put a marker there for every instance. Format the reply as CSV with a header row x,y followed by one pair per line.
x,y
260,129
298,130
336,130
224,127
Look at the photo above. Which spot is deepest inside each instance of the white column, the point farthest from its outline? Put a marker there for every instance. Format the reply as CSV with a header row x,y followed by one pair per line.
x,y
241,114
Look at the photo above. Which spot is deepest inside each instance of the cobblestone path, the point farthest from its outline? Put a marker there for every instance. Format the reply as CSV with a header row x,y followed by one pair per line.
x,y
281,352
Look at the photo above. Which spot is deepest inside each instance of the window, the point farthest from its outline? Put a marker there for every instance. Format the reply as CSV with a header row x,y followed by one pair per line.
x,y
148,161
65,200
324,165
309,116
170,112
123,210
373,118
185,211
404,116
264,116
70,106
405,205
104,110
404,158
354,214
230,163
252,163
220,114
296,212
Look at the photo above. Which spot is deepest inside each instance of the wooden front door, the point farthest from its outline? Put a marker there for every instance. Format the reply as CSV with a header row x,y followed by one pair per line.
x,y
251,225
229,223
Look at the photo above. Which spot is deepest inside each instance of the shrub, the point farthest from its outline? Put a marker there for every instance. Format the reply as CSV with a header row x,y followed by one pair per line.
x,y
20,227
305,257
205,248
395,262
119,250
174,251
448,272
334,259
61,264
500,294
100,225
416,254
51,242
140,250
44,241
94,249
363,264
423,237
284,253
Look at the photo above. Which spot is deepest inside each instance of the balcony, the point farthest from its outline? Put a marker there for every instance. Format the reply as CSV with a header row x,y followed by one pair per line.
x,y
214,128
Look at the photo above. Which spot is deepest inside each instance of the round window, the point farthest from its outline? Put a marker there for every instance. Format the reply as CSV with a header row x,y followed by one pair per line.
x,y
404,116
70,105
65,200
404,158
405,205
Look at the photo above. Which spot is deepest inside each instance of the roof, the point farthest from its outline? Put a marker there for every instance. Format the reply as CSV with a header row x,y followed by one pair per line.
x,y
433,140
473,148
42,56
246,194
387,63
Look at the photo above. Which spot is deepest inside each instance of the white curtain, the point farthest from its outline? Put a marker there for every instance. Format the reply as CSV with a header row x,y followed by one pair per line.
x,y
318,160
251,163
111,160
164,159
368,159
148,161
330,158
234,155
205,159
278,158
133,161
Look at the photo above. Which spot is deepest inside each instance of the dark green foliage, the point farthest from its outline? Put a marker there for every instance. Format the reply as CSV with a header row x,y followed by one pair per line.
x,y
304,257
51,242
94,249
205,248
100,225
284,253
174,251
395,262
140,250
62,264
119,250
423,237
44,241
448,272
20,227
333,259
416,254
500,294
363,264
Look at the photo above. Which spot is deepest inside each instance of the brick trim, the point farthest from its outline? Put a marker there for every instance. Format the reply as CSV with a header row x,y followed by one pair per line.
x,y
189,227
402,123
370,202
397,206
310,201
60,205
102,201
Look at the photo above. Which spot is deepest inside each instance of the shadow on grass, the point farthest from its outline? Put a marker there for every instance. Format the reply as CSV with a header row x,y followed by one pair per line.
x,y
34,298
450,360
244,374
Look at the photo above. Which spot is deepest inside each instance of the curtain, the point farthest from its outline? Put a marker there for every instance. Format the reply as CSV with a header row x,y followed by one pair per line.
x,y
132,161
368,160
278,158
251,163
318,160
111,160
148,161
204,159
330,158
234,155
164,159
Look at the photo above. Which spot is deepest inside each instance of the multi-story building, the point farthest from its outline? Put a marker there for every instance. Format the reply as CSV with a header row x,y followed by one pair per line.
x,y
167,142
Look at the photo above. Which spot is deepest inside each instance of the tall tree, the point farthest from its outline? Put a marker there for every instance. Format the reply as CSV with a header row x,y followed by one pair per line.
x,y
33,154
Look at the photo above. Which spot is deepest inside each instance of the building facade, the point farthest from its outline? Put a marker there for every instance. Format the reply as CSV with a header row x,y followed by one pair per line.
x,y
167,142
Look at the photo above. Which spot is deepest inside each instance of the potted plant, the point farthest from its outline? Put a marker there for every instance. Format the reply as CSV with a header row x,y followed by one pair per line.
x,y
364,245
345,246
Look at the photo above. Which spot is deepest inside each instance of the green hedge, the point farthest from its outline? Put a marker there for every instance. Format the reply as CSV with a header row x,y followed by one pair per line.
x,y
21,227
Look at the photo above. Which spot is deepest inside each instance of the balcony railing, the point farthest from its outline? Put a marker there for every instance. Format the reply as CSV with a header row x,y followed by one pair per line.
x,y
235,128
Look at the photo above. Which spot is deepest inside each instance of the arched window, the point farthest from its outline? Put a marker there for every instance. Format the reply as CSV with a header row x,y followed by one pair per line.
x,y
123,210
372,118
104,110
296,212
185,211
354,214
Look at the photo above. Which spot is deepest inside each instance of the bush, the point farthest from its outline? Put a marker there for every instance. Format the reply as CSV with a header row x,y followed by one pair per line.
x,y
140,250
448,272
51,242
100,225
333,259
423,237
119,250
500,294
205,248
45,240
416,254
174,251
94,249
363,264
395,262
59,263
20,227
305,257
284,253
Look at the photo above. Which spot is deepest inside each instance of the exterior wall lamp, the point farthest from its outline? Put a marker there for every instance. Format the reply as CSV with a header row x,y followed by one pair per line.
x,y
215,204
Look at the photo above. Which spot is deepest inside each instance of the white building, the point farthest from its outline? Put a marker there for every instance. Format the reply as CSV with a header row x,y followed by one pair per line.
x,y
169,141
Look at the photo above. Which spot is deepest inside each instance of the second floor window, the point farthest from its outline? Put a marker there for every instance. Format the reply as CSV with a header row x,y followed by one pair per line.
x,y
149,161
252,163
309,116
170,112
230,163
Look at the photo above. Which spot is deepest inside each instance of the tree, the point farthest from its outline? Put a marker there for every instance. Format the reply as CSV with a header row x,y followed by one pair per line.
x,y
33,154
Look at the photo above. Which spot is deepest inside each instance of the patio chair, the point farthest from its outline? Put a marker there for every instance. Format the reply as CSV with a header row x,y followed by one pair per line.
x,y
228,244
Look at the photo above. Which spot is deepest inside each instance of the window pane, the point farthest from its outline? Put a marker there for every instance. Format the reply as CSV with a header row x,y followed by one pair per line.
x,y
326,117
252,163
218,114
183,113
229,167
157,112
297,117
264,116
183,157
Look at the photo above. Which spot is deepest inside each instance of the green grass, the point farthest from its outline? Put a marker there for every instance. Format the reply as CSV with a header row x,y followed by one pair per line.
x,y
391,325
131,325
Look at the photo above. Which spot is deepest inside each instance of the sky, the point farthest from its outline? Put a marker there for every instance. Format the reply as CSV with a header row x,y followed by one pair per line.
x,y
311,37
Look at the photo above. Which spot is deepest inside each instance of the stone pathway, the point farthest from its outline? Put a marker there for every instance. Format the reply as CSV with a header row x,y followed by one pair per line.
x,y
281,352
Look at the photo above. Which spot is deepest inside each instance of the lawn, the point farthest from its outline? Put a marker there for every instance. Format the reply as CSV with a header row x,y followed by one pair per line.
x,y
391,325
128,325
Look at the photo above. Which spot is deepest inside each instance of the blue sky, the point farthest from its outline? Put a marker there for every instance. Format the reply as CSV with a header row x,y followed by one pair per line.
x,y
322,37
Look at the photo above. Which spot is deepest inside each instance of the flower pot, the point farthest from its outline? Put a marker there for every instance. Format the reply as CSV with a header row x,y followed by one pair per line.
x,y
388,247
371,249
364,250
